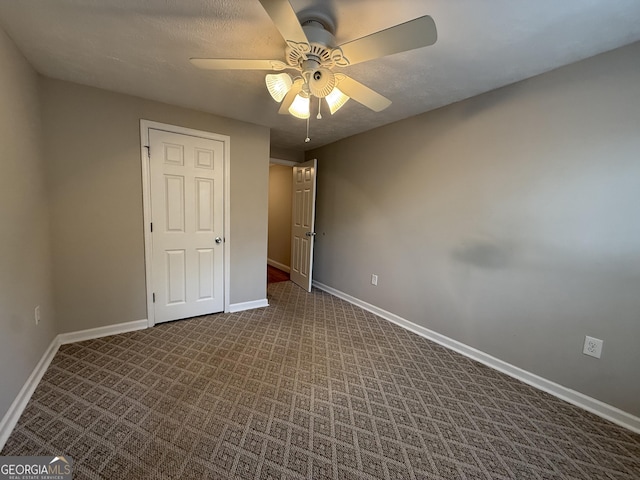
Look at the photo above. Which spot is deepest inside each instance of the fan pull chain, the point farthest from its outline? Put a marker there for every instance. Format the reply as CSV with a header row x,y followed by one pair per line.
x,y
319,116
307,140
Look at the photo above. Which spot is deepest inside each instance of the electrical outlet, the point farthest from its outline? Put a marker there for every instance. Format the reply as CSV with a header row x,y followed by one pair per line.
x,y
36,314
592,346
374,279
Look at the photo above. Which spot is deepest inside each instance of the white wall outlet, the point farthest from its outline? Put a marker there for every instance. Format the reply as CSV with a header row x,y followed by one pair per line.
x,y
592,346
374,279
36,314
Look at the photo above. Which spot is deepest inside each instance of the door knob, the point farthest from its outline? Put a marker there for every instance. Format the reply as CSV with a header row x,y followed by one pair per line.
x,y
218,240
310,234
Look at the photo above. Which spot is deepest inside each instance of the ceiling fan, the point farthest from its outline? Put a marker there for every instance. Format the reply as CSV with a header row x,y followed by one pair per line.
x,y
312,53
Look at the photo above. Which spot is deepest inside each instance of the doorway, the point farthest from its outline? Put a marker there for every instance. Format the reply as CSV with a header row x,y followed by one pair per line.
x,y
292,193
279,229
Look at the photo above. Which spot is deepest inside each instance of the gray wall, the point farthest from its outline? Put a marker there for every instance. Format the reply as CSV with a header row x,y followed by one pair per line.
x,y
509,222
92,143
25,261
280,186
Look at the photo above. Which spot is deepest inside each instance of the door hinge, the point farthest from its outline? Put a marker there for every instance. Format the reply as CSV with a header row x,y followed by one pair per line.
x,y
154,297
151,227
148,147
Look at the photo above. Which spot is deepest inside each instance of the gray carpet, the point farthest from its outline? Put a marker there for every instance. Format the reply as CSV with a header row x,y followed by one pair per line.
x,y
311,387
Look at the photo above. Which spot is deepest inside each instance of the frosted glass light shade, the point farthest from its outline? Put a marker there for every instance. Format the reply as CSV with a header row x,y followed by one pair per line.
x,y
278,85
335,100
300,106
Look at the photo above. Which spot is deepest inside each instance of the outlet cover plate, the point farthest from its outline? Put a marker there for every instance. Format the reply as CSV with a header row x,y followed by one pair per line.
x,y
592,346
374,279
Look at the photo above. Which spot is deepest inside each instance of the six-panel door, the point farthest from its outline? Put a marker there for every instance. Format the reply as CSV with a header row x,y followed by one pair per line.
x,y
187,214
302,225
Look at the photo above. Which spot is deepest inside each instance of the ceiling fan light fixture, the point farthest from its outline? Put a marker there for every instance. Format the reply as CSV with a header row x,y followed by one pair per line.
x,y
300,106
278,85
321,82
336,99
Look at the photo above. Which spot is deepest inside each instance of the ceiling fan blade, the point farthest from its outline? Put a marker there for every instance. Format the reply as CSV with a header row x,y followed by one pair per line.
x,y
290,97
285,19
420,32
237,64
362,94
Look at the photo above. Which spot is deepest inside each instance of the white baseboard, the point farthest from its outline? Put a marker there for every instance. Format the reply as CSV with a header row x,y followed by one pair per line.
x,y
240,307
278,265
99,332
20,403
578,399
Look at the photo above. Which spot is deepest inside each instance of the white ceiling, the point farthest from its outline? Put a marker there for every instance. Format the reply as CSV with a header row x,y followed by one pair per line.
x,y
142,47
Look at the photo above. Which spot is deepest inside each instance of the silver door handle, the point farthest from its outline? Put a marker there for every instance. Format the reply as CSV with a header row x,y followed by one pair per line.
x,y
310,234
218,240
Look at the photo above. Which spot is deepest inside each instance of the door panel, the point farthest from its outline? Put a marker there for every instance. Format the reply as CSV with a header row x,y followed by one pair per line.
x,y
302,231
206,273
175,277
174,203
187,212
204,205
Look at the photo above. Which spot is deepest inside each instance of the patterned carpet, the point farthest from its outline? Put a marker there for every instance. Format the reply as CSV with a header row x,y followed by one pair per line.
x,y
311,387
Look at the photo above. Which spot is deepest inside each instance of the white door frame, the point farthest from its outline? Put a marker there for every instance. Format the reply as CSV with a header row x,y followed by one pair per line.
x,y
145,125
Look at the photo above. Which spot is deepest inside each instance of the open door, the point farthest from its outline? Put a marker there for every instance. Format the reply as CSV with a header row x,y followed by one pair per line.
x,y
303,223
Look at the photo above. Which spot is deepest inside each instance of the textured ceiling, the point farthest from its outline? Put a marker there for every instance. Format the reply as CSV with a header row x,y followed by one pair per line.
x,y
142,47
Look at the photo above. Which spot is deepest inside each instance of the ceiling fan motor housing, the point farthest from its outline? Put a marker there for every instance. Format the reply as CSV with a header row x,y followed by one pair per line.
x,y
316,58
319,47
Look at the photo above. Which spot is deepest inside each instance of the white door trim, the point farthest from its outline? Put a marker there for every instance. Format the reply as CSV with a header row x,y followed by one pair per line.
x,y
145,125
